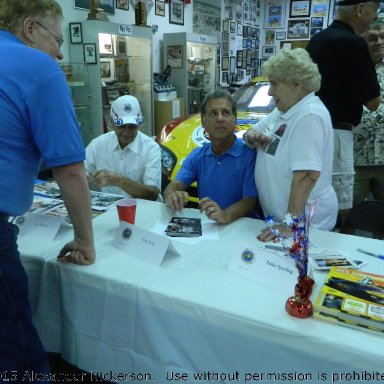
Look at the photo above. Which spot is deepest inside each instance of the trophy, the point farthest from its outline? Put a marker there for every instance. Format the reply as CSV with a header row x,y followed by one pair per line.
x,y
95,12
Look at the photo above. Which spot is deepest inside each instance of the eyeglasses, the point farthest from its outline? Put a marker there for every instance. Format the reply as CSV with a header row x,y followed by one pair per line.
x,y
59,39
373,6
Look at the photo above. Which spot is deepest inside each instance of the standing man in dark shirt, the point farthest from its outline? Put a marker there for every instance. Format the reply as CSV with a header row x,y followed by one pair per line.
x,y
349,81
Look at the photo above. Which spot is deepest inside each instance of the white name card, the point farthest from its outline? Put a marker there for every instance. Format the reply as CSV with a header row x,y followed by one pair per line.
x,y
266,266
143,244
42,227
125,29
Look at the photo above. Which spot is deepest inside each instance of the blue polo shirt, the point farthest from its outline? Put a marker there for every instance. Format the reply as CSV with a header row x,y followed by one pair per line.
x,y
226,178
37,121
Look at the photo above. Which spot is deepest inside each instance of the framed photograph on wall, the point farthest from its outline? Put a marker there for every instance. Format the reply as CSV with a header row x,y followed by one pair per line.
x,y
225,25
298,29
105,68
122,4
300,8
274,14
160,8
225,63
89,51
268,51
232,64
281,35
232,27
107,6
121,46
75,33
176,12
105,44
175,56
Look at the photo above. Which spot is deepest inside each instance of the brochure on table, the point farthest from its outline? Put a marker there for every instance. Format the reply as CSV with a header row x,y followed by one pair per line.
x,y
142,244
268,267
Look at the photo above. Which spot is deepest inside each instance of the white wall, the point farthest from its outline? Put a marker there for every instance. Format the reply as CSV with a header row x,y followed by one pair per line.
x,y
128,17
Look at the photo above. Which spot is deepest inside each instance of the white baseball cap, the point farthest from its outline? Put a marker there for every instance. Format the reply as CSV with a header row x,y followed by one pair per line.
x,y
126,110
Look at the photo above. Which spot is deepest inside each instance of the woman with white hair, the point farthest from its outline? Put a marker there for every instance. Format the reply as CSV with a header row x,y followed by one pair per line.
x,y
295,145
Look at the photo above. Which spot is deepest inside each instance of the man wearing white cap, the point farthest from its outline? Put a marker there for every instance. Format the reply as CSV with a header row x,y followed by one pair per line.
x,y
125,161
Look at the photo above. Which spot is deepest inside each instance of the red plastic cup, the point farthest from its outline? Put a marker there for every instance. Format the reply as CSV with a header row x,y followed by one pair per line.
x,y
126,209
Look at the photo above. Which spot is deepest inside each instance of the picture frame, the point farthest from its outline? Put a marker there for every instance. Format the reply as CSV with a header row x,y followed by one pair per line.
x,y
89,51
239,29
176,12
105,44
122,4
298,29
268,51
225,25
239,58
319,8
225,63
232,27
232,64
300,8
317,22
105,68
159,8
75,33
274,14
175,56
281,35
224,77
121,45
108,6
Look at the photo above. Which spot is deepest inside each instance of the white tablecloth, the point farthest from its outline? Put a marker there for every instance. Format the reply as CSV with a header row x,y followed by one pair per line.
x,y
191,314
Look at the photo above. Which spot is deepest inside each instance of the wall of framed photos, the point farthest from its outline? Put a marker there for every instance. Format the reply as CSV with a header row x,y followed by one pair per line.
x,y
248,31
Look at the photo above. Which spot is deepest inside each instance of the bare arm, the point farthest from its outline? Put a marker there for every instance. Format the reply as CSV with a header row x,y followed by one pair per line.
x,y
301,186
233,212
373,104
73,184
104,178
175,196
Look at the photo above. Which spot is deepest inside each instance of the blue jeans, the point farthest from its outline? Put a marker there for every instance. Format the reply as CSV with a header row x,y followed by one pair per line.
x,y
22,355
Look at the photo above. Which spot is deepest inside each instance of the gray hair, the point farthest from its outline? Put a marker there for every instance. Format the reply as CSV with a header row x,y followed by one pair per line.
x,y
376,26
217,94
14,12
293,67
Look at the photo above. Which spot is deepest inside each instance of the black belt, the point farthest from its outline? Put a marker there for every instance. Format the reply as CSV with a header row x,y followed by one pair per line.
x,y
4,216
343,126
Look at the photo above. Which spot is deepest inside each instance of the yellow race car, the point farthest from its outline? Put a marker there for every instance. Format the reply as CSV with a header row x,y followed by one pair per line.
x,y
180,136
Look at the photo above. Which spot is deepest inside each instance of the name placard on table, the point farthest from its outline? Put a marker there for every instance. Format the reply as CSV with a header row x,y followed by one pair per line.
x,y
266,266
142,244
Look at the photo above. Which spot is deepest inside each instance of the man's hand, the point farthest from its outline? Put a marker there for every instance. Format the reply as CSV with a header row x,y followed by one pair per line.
x,y
213,210
177,200
104,178
72,252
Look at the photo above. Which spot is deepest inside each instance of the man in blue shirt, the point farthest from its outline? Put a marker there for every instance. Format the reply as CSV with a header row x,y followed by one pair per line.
x,y
37,123
222,168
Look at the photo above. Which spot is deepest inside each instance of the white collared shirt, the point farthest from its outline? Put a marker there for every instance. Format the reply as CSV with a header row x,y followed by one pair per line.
x,y
140,160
